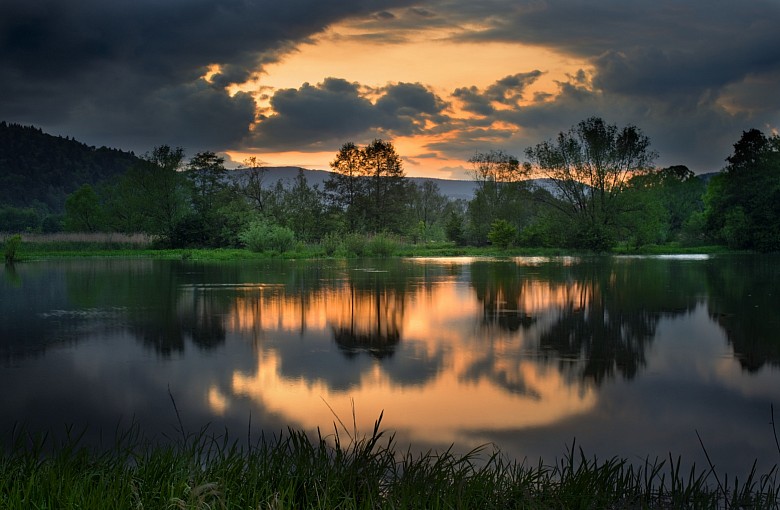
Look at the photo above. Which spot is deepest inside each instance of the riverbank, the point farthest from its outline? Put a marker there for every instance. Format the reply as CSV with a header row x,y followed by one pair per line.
x,y
296,471
35,247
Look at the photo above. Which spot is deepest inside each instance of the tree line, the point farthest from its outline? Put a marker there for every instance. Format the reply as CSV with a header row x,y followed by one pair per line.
x,y
592,187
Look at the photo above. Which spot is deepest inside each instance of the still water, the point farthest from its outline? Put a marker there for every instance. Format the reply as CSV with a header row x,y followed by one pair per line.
x,y
629,356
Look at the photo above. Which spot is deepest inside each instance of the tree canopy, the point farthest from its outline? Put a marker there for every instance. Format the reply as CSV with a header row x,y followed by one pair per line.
x,y
590,166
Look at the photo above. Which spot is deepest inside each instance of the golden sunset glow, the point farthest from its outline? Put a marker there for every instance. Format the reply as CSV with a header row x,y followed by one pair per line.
x,y
360,54
437,321
446,407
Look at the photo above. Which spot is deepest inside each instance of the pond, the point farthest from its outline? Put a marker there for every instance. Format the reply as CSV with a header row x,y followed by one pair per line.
x,y
621,356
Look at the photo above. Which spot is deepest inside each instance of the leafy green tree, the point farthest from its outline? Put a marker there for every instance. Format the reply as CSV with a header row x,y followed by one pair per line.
x,y
304,209
346,187
153,196
368,185
18,219
743,201
387,188
676,190
502,234
454,227
253,189
590,166
428,205
83,212
219,212
500,193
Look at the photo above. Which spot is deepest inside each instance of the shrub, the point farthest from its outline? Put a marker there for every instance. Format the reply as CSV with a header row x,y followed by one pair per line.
x,y
330,244
11,247
262,236
382,245
502,234
355,244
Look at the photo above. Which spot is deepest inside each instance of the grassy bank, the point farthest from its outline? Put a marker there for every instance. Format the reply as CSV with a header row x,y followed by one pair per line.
x,y
295,471
65,245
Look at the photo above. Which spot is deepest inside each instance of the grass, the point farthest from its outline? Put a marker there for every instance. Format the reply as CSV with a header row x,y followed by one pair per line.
x,y
342,470
65,245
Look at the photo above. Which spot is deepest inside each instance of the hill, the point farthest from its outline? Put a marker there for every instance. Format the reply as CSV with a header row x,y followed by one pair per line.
x,y
39,170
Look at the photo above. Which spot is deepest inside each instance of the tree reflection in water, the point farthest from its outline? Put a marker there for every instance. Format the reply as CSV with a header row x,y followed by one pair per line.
x,y
744,299
605,310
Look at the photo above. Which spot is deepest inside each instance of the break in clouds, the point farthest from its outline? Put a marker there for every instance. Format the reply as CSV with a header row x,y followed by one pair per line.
x,y
692,75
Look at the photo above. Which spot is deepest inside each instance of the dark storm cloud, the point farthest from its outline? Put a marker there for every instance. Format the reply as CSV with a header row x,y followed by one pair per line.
x,y
103,70
317,116
506,91
692,74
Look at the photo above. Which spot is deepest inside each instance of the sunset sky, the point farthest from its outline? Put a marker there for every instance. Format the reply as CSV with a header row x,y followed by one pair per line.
x,y
290,81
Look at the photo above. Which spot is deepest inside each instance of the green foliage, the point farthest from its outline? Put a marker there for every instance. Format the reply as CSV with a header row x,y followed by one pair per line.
x,y
330,243
44,169
11,248
368,184
743,202
502,234
355,244
382,245
18,219
262,236
83,211
454,228
591,165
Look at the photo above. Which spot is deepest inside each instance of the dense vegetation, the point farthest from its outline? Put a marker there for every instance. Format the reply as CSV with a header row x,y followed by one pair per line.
x,y
593,187
38,171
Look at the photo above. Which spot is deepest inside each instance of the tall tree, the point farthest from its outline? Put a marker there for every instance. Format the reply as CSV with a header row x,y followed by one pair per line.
x,y
500,193
428,206
153,194
590,166
304,209
387,187
743,201
83,212
369,185
346,186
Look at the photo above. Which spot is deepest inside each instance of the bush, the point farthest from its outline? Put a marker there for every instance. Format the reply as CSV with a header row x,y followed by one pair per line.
x,y
382,245
330,244
262,236
11,247
502,234
355,244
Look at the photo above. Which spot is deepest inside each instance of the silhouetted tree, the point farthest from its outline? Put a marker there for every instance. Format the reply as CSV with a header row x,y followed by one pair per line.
x,y
369,185
590,166
743,201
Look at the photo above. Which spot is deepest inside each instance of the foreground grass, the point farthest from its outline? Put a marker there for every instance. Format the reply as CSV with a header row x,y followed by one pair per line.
x,y
295,471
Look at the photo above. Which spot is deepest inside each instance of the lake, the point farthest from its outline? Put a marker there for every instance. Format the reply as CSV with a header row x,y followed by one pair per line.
x,y
627,356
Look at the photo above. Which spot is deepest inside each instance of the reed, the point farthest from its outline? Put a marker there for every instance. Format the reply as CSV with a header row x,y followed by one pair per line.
x,y
344,470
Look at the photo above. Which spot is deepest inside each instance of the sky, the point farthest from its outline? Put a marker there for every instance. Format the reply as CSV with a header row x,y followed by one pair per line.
x,y
289,82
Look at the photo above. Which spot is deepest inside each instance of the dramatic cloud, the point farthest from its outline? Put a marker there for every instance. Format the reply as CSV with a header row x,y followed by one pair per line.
x,y
335,111
507,91
136,73
132,69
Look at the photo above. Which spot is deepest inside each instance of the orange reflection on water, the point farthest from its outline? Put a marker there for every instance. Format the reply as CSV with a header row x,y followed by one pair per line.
x,y
444,410
482,378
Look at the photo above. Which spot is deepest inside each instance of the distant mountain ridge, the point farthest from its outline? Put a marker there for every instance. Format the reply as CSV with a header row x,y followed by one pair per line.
x,y
450,188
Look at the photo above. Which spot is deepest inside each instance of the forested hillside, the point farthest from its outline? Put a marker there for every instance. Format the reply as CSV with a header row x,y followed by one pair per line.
x,y
39,171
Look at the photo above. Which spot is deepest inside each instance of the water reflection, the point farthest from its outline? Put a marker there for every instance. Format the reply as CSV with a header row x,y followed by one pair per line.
x,y
452,350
